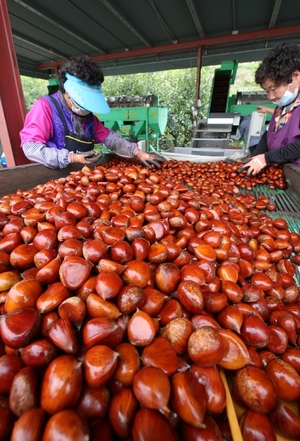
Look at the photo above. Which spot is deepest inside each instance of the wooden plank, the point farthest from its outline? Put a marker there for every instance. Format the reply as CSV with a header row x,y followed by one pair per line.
x,y
231,413
235,411
25,177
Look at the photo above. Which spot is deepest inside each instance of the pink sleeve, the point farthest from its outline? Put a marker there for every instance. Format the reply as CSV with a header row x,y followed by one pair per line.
x,y
101,132
38,123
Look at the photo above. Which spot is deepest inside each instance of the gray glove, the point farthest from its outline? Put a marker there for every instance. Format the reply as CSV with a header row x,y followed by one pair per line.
x,y
94,158
236,158
90,156
253,165
148,159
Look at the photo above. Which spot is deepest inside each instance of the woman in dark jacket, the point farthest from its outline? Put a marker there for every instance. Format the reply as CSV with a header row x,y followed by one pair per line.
x,y
279,76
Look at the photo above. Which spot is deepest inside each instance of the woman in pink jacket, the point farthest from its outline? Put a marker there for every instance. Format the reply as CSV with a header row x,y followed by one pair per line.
x,y
61,129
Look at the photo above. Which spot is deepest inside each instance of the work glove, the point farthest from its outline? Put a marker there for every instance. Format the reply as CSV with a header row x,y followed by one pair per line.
x,y
85,157
253,165
148,159
236,157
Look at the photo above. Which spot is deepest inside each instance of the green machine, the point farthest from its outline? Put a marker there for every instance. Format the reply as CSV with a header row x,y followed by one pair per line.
x,y
223,78
217,135
53,85
136,118
244,102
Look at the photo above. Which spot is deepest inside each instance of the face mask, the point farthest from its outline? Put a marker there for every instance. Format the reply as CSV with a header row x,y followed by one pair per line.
x,y
80,112
287,98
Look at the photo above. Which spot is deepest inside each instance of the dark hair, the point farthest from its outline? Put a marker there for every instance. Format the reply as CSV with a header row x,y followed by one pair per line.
x,y
279,65
82,67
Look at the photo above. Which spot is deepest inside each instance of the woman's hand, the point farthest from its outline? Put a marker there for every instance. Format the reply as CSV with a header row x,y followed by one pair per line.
x,y
254,165
265,109
81,159
148,159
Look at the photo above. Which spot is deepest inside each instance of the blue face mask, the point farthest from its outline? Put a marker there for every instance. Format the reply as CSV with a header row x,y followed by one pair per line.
x,y
287,98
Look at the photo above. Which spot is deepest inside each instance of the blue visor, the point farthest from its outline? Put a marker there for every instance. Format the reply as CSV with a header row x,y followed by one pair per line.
x,y
88,97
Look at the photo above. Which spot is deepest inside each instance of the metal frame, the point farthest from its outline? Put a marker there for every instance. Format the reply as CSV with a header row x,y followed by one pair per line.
x,y
184,46
12,112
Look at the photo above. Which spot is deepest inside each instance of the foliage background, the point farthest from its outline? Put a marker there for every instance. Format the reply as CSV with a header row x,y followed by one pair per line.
x,y
175,89
33,88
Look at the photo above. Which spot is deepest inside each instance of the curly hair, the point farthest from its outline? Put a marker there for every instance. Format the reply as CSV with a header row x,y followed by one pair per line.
x,y
279,65
82,67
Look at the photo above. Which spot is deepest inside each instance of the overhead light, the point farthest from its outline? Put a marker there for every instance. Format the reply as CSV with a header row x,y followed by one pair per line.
x,y
235,32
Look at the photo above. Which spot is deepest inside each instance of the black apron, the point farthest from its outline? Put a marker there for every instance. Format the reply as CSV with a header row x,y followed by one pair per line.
x,y
73,142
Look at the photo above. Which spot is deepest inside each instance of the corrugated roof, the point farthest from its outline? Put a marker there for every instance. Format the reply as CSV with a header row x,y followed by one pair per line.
x,y
148,35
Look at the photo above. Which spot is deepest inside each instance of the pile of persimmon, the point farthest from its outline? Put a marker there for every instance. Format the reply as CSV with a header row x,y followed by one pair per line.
x,y
125,291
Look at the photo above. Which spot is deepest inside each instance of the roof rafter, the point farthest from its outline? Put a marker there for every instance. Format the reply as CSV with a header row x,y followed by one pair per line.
x,y
234,28
37,45
42,13
121,16
206,42
195,17
41,31
82,12
274,14
33,50
163,24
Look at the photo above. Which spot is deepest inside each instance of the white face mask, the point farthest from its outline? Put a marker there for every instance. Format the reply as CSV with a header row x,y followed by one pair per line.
x,y
80,112
287,98
77,110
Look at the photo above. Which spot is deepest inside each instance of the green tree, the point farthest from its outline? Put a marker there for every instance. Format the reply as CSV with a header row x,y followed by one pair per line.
x,y
33,88
176,91
245,78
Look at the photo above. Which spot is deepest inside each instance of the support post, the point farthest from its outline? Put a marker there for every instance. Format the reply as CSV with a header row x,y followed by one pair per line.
x,y
4,137
11,94
198,83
